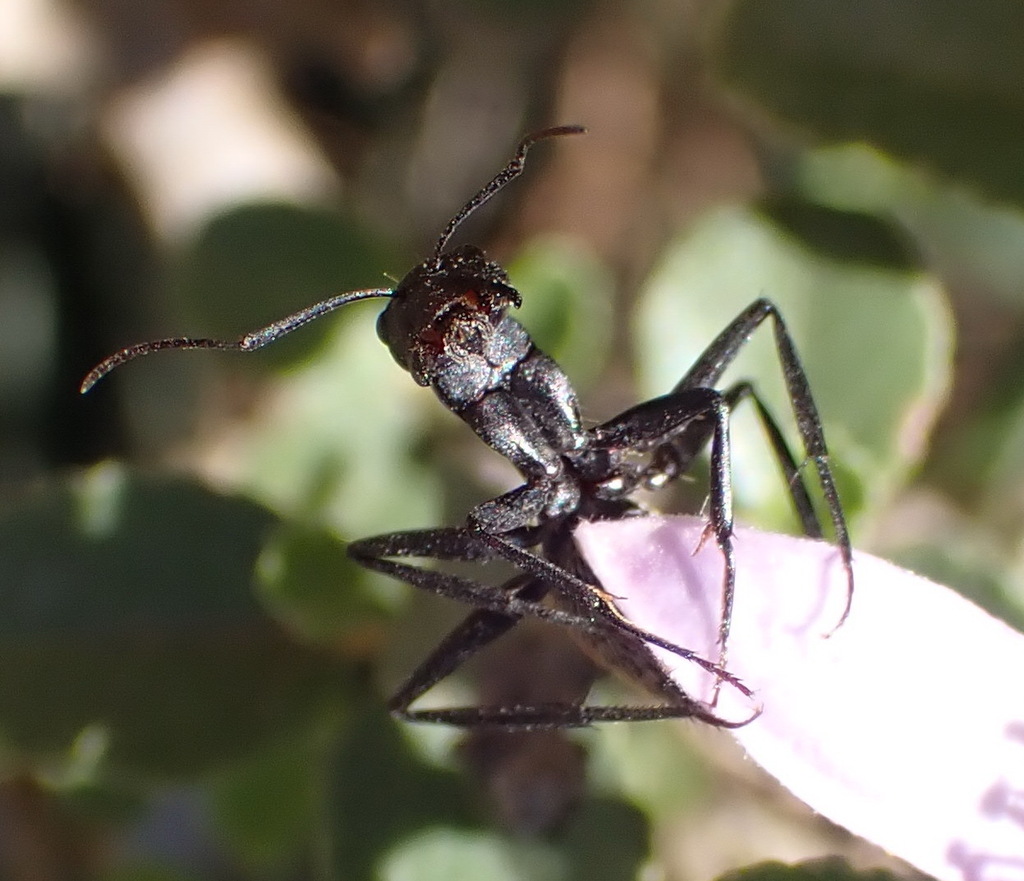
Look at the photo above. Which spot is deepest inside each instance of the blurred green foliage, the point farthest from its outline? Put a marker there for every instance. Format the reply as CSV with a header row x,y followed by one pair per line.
x,y
932,83
874,334
200,626
829,869
130,613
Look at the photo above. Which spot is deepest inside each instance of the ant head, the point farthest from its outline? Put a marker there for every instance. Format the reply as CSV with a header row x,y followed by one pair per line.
x,y
450,302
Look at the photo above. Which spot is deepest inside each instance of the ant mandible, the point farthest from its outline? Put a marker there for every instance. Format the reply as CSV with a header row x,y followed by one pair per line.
x,y
447,324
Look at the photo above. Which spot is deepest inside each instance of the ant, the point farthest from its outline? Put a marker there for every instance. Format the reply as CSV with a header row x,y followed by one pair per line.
x,y
447,324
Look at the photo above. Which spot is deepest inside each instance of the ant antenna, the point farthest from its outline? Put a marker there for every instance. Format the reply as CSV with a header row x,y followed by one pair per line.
x,y
509,173
251,341
257,339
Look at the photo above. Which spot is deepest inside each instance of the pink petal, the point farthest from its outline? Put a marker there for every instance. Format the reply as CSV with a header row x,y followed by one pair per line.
x,y
906,726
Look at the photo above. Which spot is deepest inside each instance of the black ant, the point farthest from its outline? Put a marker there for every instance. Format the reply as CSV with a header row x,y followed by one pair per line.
x,y
447,324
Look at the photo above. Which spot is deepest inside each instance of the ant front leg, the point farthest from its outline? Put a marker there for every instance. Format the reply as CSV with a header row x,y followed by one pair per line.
x,y
467,545
442,544
498,610
592,613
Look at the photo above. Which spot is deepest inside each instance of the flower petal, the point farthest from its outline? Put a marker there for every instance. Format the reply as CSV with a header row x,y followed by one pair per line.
x,y
905,725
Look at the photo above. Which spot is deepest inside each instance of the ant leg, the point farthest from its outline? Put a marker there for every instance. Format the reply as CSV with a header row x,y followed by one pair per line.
x,y
478,630
600,617
674,458
601,607
653,424
440,543
547,716
512,510
455,544
784,457
709,368
498,610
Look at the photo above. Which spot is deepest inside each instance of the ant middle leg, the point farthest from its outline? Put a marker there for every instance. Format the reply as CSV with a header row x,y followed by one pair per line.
x,y
717,357
689,415
673,459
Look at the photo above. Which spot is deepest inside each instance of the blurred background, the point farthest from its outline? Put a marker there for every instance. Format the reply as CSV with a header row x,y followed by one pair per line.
x,y
192,675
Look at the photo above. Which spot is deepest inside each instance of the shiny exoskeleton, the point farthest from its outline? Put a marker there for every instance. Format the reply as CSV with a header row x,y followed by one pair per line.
x,y
448,324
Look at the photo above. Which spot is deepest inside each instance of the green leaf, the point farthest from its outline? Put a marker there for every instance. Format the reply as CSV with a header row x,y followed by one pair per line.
x,y
567,304
876,344
966,237
340,444
937,83
381,792
827,869
311,584
268,806
149,873
128,611
445,854
606,842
